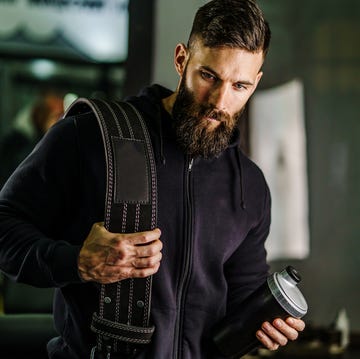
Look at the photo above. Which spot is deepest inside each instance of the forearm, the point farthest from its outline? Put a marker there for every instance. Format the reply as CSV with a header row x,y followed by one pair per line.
x,y
28,256
36,210
247,268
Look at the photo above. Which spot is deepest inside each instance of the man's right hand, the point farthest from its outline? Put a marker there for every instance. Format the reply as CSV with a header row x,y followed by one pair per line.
x,y
107,257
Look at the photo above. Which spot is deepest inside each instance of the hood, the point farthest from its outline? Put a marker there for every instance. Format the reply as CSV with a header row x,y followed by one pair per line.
x,y
148,102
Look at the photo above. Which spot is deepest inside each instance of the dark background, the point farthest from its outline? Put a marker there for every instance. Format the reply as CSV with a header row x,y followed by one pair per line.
x,y
317,42
314,41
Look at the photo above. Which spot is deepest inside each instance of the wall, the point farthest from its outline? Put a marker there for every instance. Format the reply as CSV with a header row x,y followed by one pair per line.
x,y
316,41
173,21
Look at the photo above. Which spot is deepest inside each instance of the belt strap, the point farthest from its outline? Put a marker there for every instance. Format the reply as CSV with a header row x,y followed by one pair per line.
x,y
122,322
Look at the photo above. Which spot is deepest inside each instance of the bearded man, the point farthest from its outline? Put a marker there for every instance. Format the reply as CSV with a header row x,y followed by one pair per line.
x,y
213,203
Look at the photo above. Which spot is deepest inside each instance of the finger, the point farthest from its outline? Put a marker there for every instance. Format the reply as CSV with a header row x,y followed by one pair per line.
x,y
142,238
148,261
127,255
288,331
296,323
145,258
149,250
145,272
274,334
266,341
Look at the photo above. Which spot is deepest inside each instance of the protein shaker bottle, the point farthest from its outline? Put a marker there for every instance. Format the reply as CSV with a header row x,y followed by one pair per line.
x,y
278,297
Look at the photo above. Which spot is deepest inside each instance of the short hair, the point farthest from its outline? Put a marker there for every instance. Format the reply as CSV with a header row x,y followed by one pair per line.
x,y
231,23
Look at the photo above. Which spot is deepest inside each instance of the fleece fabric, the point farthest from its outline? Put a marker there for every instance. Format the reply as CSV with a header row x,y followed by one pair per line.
x,y
214,215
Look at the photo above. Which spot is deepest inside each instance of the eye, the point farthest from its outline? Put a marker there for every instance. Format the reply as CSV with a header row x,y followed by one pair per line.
x,y
239,86
207,76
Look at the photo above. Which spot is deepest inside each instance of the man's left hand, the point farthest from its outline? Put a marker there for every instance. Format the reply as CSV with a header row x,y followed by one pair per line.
x,y
279,332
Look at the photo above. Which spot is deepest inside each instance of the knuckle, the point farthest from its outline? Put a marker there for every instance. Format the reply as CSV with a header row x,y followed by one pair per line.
x,y
144,252
156,267
122,252
142,273
98,226
142,238
138,263
115,242
156,260
148,251
151,251
126,273
149,262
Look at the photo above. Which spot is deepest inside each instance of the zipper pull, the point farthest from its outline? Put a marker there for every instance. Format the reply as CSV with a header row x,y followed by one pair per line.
x,y
191,164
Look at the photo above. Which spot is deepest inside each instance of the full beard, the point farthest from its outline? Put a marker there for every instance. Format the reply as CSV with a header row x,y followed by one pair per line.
x,y
195,135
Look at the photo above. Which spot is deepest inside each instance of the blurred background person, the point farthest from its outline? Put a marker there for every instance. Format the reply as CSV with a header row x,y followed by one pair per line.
x,y
30,125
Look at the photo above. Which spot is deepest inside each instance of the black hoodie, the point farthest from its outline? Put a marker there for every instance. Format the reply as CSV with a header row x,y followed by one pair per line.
x,y
214,216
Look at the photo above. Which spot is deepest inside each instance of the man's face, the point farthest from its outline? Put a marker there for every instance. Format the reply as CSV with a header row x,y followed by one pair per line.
x,y
214,87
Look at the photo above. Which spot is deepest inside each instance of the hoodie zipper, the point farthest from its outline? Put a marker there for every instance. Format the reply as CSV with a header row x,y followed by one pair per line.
x,y
186,268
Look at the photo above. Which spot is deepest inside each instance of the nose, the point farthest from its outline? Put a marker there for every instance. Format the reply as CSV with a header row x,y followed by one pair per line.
x,y
219,97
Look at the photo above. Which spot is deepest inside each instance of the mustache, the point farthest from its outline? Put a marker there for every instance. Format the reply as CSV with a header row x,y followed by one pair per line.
x,y
211,112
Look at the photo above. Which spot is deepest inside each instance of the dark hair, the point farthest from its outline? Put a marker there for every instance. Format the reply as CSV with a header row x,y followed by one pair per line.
x,y
232,23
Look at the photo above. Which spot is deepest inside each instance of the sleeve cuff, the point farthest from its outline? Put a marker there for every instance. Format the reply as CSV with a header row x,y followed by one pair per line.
x,y
65,264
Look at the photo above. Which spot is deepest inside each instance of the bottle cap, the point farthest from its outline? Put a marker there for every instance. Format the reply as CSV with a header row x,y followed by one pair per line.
x,y
284,288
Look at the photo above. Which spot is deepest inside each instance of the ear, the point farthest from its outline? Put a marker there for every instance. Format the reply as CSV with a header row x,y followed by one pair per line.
x,y
180,58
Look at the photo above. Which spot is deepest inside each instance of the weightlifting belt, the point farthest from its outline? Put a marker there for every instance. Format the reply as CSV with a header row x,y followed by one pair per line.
x,y
122,322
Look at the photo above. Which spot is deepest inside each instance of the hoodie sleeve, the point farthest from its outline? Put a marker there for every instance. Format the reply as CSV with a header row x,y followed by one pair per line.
x,y
247,268
35,205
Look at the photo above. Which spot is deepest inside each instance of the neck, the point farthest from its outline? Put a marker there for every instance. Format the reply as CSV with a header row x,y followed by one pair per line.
x,y
168,102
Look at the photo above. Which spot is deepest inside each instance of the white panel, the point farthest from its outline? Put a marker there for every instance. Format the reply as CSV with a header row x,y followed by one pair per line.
x,y
278,146
98,29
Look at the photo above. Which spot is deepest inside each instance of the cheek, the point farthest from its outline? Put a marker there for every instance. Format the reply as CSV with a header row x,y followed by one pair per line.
x,y
199,88
235,103
202,95
200,91
240,100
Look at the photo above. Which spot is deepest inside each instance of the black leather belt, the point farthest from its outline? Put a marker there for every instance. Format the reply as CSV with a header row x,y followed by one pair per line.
x,y
122,323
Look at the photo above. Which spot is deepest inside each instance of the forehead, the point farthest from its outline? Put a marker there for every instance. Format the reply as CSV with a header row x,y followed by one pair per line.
x,y
234,63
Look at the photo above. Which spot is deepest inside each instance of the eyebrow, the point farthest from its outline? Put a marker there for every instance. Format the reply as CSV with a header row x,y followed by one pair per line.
x,y
209,69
